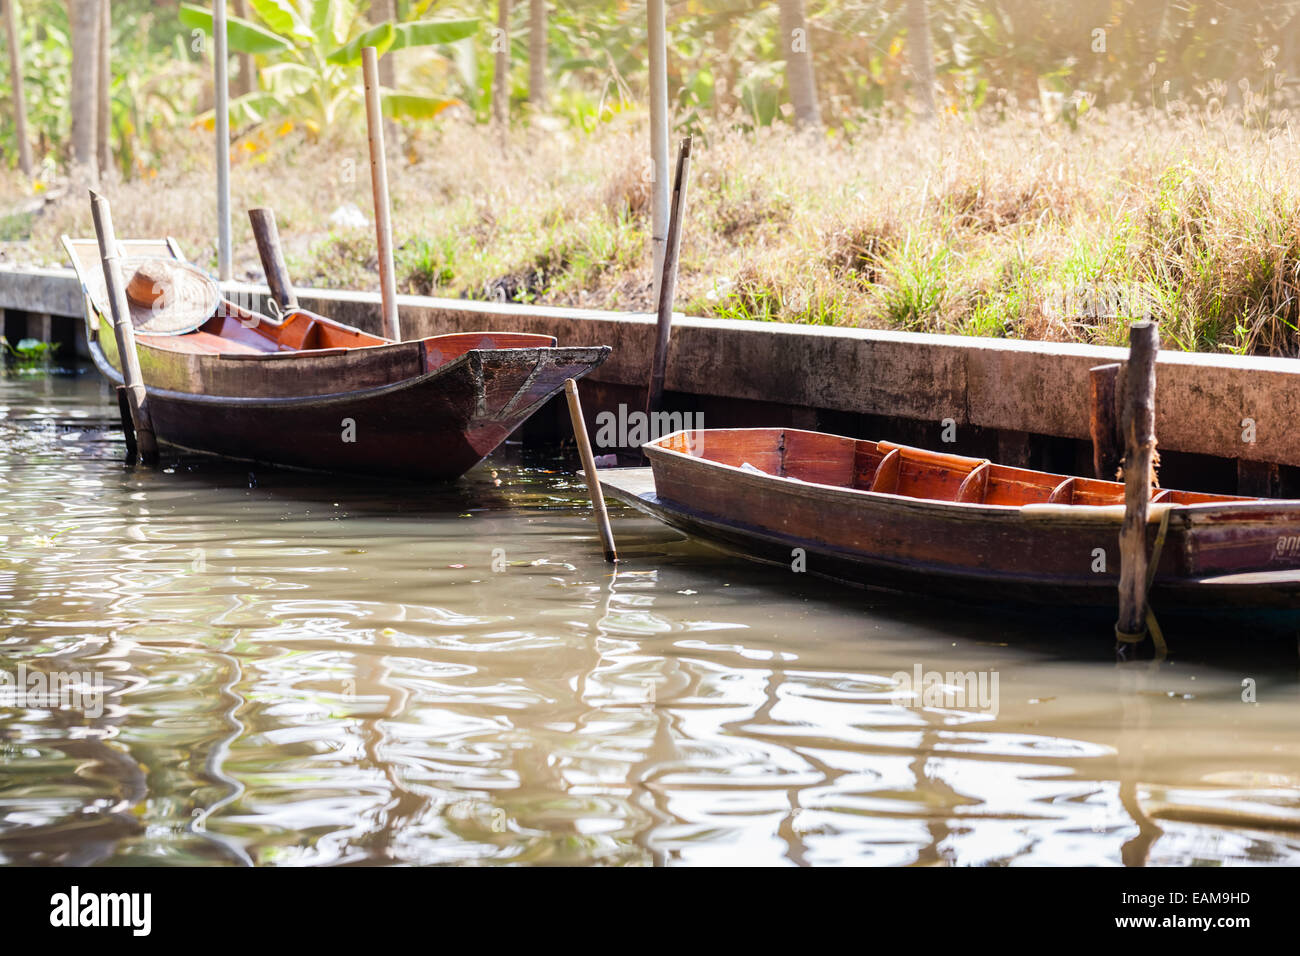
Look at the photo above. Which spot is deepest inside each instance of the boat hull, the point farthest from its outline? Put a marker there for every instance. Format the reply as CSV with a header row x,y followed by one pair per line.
x,y
1212,555
431,426
304,391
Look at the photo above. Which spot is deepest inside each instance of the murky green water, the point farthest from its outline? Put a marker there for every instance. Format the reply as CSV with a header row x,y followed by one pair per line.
x,y
302,670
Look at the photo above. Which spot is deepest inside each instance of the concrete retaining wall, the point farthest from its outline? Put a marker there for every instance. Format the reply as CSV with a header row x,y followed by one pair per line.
x,y
1203,399
1206,404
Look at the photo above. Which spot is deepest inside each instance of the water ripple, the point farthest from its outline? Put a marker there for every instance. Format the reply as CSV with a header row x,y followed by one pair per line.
x,y
300,671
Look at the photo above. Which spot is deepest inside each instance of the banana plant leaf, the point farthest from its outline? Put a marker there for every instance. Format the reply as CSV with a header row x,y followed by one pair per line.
x,y
241,35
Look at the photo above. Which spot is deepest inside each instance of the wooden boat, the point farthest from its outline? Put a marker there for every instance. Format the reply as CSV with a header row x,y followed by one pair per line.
x,y
305,391
905,518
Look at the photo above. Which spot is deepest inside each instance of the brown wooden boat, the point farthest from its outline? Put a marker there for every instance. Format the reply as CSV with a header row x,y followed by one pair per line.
x,y
305,391
905,518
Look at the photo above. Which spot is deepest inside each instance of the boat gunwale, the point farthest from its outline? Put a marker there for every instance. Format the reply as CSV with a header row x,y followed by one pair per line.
x,y
1040,511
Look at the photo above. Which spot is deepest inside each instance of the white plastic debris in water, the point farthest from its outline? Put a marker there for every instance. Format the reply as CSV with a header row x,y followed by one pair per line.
x,y
349,216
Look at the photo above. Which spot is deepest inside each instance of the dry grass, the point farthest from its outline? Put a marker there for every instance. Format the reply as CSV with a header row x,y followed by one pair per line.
x,y
1013,228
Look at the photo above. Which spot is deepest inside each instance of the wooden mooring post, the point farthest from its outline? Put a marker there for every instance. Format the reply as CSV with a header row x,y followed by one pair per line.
x,y
668,282
267,236
1139,429
1102,420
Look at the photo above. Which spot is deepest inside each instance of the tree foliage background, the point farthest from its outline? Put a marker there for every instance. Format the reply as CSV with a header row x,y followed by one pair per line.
x,y
726,61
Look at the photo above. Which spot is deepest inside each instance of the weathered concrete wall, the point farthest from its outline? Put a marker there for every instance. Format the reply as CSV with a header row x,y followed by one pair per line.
x,y
1203,400
52,291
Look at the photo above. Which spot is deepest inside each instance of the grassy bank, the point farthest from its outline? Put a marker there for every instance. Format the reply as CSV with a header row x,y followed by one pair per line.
x,y
1005,228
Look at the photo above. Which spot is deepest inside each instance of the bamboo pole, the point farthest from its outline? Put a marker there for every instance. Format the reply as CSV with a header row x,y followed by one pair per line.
x,y
16,82
589,469
123,330
657,34
668,282
267,236
1138,423
222,92
1102,424
379,187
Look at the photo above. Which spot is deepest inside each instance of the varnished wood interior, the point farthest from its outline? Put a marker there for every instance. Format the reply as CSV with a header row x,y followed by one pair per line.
x,y
236,331
241,335
887,468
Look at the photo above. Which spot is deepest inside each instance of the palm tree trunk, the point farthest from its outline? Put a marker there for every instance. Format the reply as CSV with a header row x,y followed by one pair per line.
x,y
537,55
920,52
103,103
798,65
244,82
501,75
83,16
385,11
16,83
724,84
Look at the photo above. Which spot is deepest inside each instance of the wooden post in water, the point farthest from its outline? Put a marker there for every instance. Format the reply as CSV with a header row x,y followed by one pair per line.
x,y
1102,422
16,84
221,90
123,330
668,282
267,237
589,469
379,187
1139,429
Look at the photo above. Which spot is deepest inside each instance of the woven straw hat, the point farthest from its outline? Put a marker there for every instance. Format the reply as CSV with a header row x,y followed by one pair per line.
x,y
165,296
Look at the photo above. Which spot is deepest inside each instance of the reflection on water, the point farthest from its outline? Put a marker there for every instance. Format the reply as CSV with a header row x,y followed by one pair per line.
x,y
305,670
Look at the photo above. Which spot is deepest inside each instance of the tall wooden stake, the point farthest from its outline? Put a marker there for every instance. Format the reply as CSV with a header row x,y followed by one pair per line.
x,y
379,186
123,330
668,282
1139,429
267,237
657,36
222,91
16,83
1102,423
589,469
